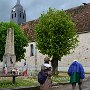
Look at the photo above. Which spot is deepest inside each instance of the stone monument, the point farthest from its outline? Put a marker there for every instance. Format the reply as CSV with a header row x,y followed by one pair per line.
x,y
9,57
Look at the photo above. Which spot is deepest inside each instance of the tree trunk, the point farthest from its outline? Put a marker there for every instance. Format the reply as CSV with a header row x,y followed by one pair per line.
x,y
54,63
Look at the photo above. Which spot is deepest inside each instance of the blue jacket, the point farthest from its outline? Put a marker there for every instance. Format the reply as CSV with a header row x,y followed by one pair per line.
x,y
76,67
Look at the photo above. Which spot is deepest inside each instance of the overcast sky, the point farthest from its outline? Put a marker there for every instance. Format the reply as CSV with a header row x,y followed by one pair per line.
x,y
35,7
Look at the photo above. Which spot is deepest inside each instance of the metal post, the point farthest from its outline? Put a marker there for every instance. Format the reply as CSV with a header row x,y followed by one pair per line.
x,y
35,60
13,80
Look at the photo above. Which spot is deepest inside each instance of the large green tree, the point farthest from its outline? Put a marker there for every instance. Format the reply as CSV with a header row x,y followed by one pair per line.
x,y
56,35
20,39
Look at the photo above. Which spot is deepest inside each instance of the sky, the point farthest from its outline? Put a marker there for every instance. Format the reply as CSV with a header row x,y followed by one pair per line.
x,y
34,8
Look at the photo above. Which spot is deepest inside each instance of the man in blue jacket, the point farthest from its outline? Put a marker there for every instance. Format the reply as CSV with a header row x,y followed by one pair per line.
x,y
77,74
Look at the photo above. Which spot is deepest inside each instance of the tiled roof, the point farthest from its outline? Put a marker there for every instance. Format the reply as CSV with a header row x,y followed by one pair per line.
x,y
28,29
80,15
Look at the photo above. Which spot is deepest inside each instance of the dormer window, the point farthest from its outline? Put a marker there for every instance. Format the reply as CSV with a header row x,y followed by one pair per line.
x,y
13,10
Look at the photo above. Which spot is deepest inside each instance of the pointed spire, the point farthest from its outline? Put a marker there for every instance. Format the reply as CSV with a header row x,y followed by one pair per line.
x,y
18,1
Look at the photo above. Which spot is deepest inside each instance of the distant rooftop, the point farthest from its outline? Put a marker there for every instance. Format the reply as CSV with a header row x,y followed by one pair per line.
x,y
80,16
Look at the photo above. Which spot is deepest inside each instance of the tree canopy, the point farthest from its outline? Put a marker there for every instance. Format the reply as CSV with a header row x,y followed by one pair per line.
x,y
56,33
20,40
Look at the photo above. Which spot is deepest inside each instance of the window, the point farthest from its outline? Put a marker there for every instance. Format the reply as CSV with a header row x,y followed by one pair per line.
x,y
15,14
32,50
20,15
23,16
12,16
11,60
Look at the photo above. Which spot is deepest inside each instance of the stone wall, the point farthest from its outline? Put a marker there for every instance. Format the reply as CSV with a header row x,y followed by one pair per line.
x,y
24,88
82,53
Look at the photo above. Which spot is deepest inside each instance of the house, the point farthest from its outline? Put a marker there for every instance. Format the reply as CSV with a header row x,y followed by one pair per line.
x,y
81,17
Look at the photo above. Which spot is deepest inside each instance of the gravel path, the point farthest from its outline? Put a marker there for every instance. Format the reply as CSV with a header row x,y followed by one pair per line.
x,y
86,86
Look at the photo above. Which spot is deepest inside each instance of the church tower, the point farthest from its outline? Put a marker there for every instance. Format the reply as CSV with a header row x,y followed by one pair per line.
x,y
18,15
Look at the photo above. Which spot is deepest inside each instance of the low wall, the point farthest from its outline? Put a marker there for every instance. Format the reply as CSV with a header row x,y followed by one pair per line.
x,y
86,69
24,88
55,86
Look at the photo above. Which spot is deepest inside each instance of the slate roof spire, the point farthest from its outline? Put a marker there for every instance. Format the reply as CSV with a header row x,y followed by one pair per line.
x,y
18,1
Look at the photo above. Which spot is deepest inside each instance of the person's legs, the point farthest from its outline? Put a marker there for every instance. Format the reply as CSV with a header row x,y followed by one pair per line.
x,y
73,86
26,73
23,73
80,85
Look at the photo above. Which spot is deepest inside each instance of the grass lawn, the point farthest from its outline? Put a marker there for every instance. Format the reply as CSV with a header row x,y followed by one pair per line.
x,y
61,78
23,81
20,82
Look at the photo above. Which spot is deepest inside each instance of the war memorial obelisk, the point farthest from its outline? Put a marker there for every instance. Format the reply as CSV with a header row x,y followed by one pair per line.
x,y
9,57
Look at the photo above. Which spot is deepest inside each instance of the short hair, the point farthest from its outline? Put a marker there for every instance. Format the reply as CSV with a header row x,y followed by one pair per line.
x,y
46,59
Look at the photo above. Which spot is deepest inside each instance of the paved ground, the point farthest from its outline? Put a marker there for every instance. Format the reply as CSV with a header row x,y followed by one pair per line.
x,y
86,86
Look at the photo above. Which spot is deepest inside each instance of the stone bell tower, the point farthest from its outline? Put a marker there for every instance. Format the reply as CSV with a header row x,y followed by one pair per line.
x,y
9,57
18,14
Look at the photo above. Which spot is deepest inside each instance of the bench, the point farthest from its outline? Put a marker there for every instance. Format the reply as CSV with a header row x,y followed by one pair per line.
x,y
12,75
